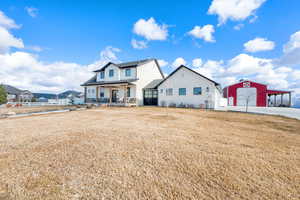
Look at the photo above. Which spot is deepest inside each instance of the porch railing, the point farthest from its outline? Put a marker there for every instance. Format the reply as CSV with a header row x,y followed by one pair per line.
x,y
128,100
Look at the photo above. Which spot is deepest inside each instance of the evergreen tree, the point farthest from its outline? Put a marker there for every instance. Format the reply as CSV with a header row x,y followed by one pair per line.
x,y
3,95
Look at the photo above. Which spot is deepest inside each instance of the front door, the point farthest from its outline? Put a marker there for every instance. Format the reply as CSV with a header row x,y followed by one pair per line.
x,y
114,96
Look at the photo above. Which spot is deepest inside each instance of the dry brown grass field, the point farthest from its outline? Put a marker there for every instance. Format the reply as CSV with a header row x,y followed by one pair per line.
x,y
149,153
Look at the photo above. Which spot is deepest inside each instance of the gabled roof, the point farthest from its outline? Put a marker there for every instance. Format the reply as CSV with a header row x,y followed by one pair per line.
x,y
246,80
153,84
126,64
182,66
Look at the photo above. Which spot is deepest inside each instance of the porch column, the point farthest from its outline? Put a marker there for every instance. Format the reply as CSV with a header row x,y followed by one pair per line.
x,y
85,90
125,94
275,100
110,100
97,94
281,99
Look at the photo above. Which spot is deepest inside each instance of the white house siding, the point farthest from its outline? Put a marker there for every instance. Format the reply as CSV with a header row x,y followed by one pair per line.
x,y
124,77
116,76
145,73
91,92
185,78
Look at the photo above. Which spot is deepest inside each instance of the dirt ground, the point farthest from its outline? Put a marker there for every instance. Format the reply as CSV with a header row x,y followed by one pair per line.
x,y
24,109
149,153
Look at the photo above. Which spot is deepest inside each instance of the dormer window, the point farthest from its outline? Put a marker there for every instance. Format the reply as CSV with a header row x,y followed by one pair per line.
x,y
127,72
102,75
111,73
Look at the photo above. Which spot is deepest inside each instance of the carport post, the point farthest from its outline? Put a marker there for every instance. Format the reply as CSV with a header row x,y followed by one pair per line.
x,y
281,99
275,100
290,99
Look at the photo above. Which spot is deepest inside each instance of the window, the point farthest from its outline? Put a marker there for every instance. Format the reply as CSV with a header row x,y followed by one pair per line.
x,y
169,92
111,73
128,92
161,91
197,91
101,94
207,89
182,91
101,75
127,72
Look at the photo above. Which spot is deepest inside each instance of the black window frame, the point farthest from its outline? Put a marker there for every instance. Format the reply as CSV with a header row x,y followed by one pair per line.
x,y
128,92
182,89
102,75
128,70
111,73
197,93
170,90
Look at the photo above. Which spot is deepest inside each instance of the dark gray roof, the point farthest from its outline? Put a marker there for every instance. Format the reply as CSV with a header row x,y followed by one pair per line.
x,y
93,82
153,84
11,90
126,64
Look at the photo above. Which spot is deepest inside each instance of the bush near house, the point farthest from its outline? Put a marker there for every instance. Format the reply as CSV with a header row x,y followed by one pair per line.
x,y
3,95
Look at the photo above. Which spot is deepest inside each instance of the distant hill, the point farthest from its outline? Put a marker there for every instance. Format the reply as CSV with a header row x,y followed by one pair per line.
x,y
44,95
62,95
67,93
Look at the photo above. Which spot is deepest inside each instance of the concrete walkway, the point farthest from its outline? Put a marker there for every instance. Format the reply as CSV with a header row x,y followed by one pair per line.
x,y
286,112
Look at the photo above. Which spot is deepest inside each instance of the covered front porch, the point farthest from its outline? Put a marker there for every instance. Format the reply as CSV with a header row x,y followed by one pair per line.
x,y
116,94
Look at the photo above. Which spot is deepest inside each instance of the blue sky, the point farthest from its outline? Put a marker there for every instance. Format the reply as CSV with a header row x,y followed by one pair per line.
x,y
74,37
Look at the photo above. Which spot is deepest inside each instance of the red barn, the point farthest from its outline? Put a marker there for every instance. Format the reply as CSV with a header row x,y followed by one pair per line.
x,y
255,94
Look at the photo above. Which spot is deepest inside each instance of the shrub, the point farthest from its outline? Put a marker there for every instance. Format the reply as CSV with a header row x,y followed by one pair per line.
x,y
172,105
163,104
181,105
190,106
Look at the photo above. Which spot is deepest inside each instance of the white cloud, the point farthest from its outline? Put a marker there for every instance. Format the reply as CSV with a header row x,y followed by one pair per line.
x,y
247,65
6,22
34,48
109,53
32,11
138,44
283,70
294,43
212,69
150,29
197,62
205,33
178,61
259,44
26,71
296,75
7,40
291,50
238,27
236,10
162,63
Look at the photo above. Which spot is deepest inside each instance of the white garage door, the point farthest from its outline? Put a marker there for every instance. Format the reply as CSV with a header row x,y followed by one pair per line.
x,y
244,94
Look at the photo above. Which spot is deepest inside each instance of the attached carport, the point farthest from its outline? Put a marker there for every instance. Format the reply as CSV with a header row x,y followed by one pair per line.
x,y
150,93
273,101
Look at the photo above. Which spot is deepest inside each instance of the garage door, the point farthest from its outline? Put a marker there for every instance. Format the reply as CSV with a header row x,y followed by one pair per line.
x,y
244,94
150,97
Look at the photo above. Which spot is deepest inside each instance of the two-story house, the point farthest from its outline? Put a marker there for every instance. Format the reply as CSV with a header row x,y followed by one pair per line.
x,y
124,83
